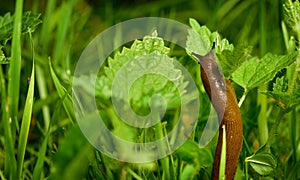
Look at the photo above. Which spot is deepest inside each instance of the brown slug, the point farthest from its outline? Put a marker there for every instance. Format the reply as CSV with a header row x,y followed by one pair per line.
x,y
223,98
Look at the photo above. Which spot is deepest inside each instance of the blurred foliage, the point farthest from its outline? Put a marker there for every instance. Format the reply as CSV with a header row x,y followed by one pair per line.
x,y
68,26
238,21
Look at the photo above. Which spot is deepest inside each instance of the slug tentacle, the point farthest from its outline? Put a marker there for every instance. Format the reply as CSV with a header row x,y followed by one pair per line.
x,y
223,98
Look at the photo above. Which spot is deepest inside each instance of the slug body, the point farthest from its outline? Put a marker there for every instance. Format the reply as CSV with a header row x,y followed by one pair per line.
x,y
223,98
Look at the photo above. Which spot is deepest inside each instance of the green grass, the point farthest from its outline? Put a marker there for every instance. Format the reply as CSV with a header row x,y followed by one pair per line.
x,y
40,137
12,102
26,120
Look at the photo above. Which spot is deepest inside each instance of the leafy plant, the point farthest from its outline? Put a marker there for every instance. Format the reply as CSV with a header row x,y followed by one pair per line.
x,y
147,54
249,73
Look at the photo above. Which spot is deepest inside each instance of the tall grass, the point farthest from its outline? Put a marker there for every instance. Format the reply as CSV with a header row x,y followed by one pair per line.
x,y
24,131
11,107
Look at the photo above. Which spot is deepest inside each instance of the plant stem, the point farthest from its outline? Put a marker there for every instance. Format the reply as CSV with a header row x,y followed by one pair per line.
x,y
246,145
223,156
292,75
162,149
243,98
262,99
274,128
246,169
293,125
262,118
136,176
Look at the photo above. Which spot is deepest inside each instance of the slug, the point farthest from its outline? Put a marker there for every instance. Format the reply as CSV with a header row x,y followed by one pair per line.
x,y
223,98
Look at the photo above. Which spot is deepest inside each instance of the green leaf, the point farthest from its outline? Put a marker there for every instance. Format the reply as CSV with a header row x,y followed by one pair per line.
x,y
6,28
3,59
255,72
199,42
63,94
230,60
200,39
284,98
194,24
262,162
72,159
280,86
223,45
145,60
29,23
292,14
149,45
155,83
189,172
191,153
195,157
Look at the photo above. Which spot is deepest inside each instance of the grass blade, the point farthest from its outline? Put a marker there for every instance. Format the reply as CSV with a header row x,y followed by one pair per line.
x,y
41,157
62,29
63,94
15,65
46,27
10,161
42,88
26,119
223,155
11,106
